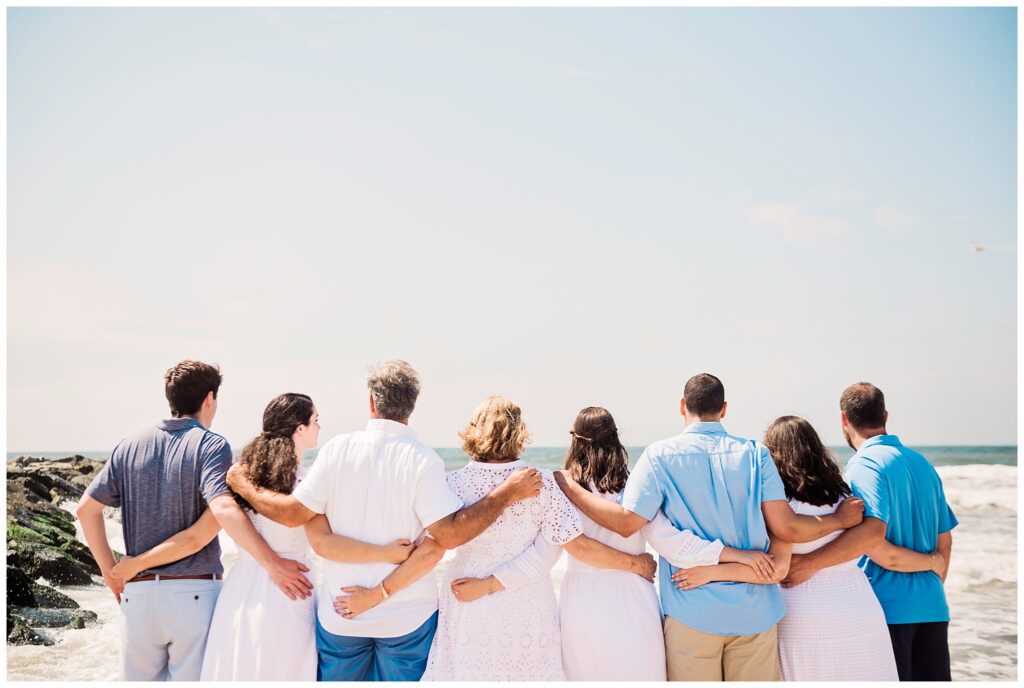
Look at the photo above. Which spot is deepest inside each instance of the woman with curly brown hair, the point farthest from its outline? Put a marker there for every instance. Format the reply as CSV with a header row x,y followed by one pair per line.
x,y
498,613
257,633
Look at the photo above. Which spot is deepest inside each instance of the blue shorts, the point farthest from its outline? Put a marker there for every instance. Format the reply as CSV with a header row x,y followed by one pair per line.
x,y
347,658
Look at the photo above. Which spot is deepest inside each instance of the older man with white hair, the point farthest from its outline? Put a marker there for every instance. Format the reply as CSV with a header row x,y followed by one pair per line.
x,y
378,485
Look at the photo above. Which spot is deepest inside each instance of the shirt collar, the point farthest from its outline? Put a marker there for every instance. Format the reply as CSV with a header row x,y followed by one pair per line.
x,y
705,427
392,427
177,424
891,440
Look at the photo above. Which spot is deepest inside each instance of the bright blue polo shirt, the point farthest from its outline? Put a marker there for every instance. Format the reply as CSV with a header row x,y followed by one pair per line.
x,y
901,488
709,482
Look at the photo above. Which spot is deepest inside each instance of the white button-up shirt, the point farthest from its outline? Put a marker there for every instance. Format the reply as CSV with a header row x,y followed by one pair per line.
x,y
377,486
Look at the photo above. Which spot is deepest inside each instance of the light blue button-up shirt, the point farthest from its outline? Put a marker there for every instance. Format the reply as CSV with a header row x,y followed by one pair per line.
x,y
712,483
901,488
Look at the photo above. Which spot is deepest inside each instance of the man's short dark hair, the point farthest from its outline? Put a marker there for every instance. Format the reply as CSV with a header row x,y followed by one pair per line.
x,y
704,395
864,406
188,383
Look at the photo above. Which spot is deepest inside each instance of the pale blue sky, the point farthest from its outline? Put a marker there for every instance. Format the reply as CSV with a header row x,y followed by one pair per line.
x,y
570,207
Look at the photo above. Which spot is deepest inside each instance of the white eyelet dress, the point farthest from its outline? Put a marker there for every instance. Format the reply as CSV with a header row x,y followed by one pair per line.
x,y
510,635
834,629
257,633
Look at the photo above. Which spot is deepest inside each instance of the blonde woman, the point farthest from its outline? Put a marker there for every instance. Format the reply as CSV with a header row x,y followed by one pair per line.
x,y
487,632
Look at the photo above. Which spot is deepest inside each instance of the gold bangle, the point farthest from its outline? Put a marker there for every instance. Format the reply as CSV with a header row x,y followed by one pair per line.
x,y
490,585
384,591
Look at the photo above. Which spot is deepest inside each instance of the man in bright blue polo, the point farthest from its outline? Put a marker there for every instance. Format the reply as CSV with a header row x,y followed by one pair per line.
x,y
904,503
720,487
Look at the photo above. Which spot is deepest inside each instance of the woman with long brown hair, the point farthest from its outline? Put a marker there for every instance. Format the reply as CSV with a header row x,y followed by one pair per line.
x,y
595,604
834,629
257,633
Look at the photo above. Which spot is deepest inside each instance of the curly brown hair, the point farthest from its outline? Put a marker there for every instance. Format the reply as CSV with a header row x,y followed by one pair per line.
x,y
496,432
270,460
596,454
808,471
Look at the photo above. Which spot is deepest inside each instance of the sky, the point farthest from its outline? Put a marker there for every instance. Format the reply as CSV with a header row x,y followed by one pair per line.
x,y
568,207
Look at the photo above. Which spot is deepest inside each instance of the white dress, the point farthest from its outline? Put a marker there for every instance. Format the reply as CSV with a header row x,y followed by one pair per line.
x,y
611,620
257,633
834,629
511,635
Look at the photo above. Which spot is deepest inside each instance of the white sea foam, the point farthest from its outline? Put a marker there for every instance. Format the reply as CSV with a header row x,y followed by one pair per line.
x,y
981,588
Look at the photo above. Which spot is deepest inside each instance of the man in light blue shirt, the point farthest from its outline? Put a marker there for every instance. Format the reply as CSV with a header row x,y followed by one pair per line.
x,y
720,487
904,503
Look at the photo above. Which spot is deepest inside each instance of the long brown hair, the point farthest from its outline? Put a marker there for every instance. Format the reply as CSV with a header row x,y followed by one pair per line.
x,y
808,471
269,459
596,454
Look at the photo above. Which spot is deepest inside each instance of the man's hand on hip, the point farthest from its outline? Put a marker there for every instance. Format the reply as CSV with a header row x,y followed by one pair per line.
x,y
801,569
287,575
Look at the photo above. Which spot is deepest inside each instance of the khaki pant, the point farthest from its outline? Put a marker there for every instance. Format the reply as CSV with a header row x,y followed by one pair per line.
x,y
693,655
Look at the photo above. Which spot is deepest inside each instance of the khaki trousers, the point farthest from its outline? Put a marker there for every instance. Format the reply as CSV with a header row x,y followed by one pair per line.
x,y
693,655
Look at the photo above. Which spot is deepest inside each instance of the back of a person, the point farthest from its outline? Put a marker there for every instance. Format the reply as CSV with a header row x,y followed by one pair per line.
x,y
511,533
158,473
634,544
712,485
916,501
373,497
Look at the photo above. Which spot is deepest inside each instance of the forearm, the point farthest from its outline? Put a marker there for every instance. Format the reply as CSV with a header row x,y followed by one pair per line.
x,y
464,525
238,526
901,559
739,573
348,550
280,508
945,548
95,532
532,565
421,562
853,543
806,528
604,513
600,555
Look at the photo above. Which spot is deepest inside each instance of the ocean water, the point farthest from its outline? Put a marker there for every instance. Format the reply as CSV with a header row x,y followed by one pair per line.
x,y
980,484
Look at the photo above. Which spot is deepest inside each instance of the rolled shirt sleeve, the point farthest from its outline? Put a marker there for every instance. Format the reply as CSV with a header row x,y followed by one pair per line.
x,y
867,482
216,458
642,494
434,496
772,488
681,548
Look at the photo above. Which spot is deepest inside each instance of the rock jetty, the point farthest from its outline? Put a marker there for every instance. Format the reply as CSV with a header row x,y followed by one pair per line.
x,y
41,544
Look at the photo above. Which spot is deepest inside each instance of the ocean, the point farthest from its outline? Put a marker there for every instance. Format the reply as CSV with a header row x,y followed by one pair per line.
x,y
980,484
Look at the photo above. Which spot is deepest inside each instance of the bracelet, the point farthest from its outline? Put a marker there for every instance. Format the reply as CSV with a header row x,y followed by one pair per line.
x,y
490,585
632,561
384,591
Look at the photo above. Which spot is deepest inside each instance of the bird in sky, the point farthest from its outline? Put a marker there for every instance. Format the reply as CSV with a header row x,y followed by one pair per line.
x,y
976,247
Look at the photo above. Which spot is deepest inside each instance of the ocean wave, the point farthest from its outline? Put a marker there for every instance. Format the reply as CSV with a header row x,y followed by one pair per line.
x,y
980,486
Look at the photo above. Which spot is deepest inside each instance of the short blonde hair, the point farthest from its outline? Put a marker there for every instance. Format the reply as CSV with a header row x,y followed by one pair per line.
x,y
496,432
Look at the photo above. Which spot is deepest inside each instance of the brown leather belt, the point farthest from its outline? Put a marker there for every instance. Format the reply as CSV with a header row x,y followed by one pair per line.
x,y
160,576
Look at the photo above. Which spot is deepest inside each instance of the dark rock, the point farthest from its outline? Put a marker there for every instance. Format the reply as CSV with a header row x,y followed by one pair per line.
x,y
42,543
41,561
45,596
51,618
21,634
19,589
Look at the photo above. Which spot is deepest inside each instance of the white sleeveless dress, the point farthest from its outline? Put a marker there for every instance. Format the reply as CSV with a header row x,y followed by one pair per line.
x,y
834,629
257,633
611,620
512,634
